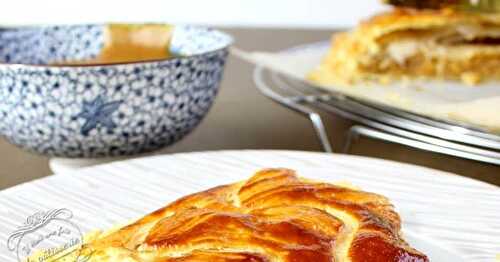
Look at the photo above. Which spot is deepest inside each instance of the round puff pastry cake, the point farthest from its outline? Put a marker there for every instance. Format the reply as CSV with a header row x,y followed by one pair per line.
x,y
273,216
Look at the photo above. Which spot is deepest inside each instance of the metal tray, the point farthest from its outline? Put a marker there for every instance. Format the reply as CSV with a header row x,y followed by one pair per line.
x,y
378,121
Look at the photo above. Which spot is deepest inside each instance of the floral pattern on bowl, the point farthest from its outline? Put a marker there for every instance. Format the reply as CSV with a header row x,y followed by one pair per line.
x,y
103,110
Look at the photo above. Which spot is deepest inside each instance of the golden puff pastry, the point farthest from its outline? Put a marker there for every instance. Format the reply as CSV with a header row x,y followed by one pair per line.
x,y
273,216
410,43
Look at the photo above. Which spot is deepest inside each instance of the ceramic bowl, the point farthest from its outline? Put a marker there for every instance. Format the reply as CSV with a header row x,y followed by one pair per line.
x,y
103,110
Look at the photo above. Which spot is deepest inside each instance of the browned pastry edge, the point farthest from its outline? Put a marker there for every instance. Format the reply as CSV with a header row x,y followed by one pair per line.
x,y
273,216
466,47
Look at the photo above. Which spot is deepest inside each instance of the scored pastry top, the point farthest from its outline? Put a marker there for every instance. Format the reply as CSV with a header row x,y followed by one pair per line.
x,y
273,216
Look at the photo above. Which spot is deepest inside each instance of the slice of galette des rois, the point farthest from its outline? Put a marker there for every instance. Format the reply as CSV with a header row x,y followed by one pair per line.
x,y
273,216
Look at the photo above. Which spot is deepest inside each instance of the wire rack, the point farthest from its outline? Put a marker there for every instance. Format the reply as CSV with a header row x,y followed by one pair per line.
x,y
377,121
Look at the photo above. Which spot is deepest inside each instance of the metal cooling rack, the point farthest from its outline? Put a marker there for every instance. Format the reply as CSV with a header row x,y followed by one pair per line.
x,y
377,121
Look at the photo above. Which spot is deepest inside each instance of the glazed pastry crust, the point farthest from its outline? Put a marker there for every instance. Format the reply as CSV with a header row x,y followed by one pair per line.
x,y
407,43
273,216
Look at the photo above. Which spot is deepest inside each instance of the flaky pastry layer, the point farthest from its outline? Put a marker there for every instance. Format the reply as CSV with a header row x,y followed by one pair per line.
x,y
273,216
407,43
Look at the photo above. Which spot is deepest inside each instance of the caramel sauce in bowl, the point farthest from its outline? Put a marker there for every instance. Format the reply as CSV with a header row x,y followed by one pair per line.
x,y
130,43
106,90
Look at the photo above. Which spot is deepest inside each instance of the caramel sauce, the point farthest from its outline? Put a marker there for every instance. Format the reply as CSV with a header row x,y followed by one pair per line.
x,y
128,43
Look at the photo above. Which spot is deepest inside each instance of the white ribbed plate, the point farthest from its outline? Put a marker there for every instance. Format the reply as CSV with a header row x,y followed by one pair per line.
x,y
450,218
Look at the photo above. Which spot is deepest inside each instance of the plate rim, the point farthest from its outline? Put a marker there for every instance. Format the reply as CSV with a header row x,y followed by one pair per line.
x,y
428,170
434,171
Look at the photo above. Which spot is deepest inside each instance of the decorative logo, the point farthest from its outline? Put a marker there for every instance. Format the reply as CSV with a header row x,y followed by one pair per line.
x,y
48,236
98,112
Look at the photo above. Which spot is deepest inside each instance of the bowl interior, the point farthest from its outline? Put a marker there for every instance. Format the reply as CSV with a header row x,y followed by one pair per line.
x,y
49,45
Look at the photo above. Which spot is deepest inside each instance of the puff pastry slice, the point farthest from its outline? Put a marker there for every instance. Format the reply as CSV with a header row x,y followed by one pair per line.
x,y
274,216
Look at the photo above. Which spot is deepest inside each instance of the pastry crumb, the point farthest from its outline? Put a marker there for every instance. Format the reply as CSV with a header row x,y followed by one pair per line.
x,y
470,78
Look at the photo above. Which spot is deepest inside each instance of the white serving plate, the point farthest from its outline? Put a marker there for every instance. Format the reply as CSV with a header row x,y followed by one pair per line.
x,y
448,217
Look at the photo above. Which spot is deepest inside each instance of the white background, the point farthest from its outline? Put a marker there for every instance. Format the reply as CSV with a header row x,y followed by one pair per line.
x,y
265,13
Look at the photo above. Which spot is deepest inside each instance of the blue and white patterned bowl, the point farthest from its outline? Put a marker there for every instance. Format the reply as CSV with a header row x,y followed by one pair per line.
x,y
103,110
